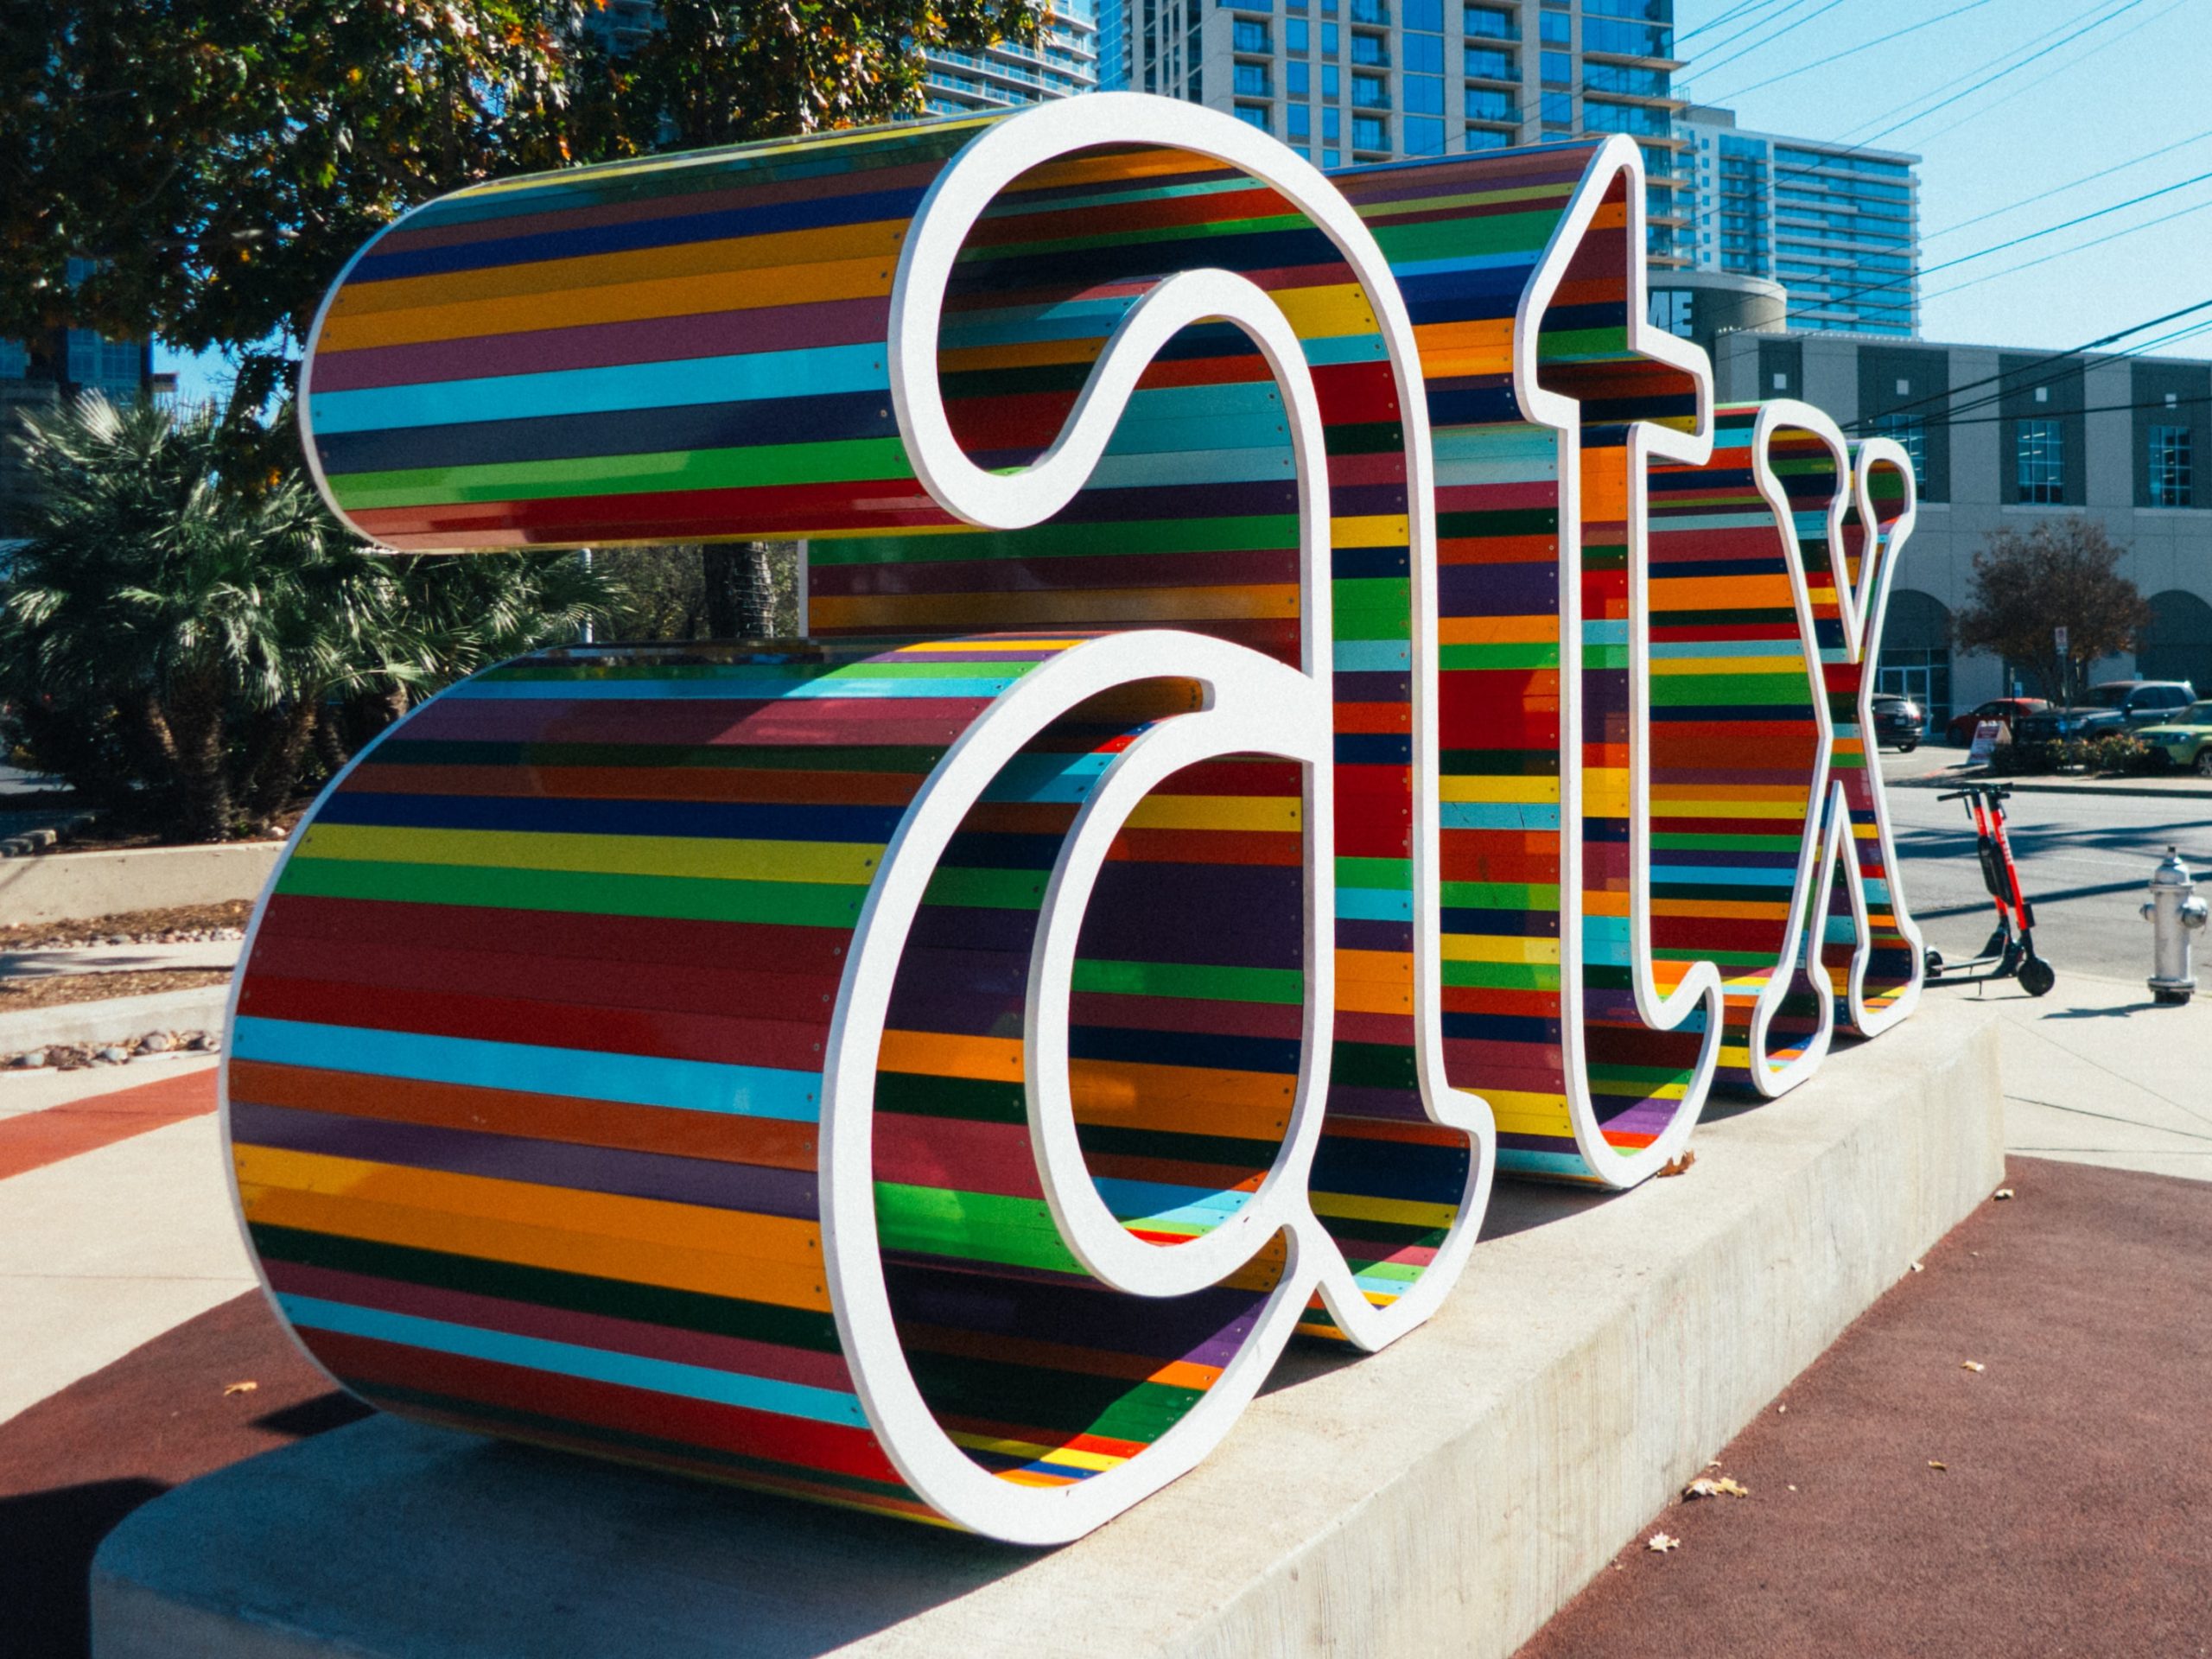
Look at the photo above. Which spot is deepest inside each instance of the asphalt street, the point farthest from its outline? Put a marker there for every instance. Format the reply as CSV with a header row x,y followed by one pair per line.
x,y
2084,860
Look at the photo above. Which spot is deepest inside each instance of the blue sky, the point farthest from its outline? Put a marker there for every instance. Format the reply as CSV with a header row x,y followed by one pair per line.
x,y
2139,83
2139,80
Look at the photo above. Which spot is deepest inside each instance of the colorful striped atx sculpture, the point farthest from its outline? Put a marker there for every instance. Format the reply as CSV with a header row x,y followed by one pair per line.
x,y
1306,703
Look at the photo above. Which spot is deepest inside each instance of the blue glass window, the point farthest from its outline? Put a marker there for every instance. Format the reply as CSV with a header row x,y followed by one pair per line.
x,y
1425,14
1490,103
1298,79
1424,54
1424,96
1370,132
1424,136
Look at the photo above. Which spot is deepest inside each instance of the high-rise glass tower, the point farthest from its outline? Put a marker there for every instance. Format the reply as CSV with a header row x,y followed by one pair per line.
x,y
1063,63
1837,225
1372,80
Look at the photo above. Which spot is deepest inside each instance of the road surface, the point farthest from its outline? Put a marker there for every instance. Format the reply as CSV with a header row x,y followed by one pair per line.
x,y
2083,858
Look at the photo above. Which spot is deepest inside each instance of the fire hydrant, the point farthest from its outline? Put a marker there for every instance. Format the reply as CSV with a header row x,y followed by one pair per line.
x,y
2174,910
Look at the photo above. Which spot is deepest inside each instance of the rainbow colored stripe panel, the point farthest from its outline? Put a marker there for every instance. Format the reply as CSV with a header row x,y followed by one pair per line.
x,y
1266,745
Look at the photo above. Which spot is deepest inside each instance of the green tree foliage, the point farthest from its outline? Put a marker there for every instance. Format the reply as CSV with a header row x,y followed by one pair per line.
x,y
222,159
189,638
2063,573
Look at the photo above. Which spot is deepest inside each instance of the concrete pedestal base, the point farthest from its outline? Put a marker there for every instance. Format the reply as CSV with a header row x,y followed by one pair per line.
x,y
1444,1497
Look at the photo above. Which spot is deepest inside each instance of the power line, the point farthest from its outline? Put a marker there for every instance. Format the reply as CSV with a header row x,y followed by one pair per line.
x,y
1937,90
2014,69
2040,52
2082,247
2000,103
2055,357
2060,190
1955,415
1994,419
1758,45
1848,52
1789,6
1729,16
2031,236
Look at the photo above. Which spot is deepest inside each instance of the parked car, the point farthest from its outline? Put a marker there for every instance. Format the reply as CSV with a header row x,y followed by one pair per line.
x,y
2003,711
2185,741
1898,721
2143,702
2114,708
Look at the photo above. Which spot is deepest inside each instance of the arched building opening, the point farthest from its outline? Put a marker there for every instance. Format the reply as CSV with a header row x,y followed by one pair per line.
x,y
2178,645
1915,656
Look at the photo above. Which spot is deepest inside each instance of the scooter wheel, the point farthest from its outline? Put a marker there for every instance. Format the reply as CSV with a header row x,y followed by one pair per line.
x,y
1932,961
2035,977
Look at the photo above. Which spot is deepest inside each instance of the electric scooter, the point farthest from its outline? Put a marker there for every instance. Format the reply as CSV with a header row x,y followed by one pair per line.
x,y
2009,951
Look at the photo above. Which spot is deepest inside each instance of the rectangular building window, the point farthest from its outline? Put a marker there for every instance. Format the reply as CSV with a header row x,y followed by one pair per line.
x,y
1373,50
1331,83
1424,54
1487,138
1332,124
1911,434
1559,109
1253,80
1253,114
1250,36
1424,96
1372,92
1559,69
1328,40
1489,103
14,360
1483,24
1370,132
2040,453
1298,79
1557,30
2171,484
1424,136
1301,122
1426,16
1370,11
1488,63
1296,35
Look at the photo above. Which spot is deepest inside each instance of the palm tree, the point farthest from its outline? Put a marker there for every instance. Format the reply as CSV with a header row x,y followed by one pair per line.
x,y
187,615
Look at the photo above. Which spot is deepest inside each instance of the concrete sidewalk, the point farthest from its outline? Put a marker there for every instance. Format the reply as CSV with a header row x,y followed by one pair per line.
x,y
47,963
2098,1073
115,1219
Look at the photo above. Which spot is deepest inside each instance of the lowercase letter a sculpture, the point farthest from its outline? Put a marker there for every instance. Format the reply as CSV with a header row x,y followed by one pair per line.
x,y
936,1064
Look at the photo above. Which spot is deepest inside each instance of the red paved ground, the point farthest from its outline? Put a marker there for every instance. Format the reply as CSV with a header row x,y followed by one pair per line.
x,y
2075,1515
46,1137
75,1465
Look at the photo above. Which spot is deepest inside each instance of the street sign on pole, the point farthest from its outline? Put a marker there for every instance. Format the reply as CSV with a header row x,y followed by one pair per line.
x,y
2058,639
